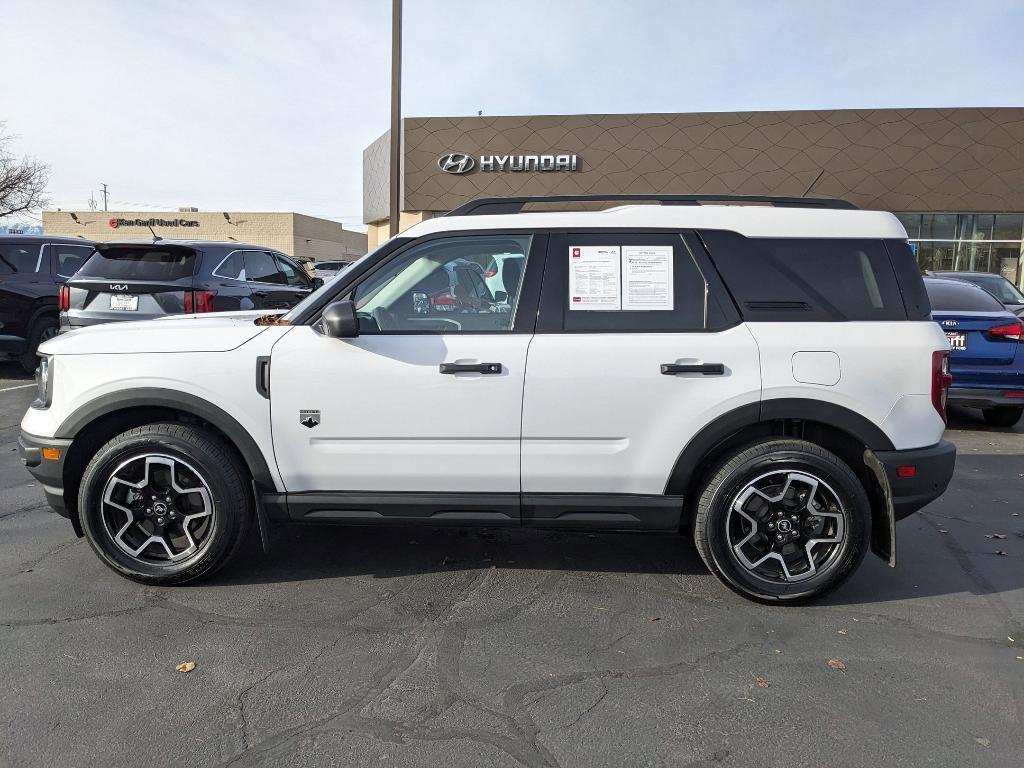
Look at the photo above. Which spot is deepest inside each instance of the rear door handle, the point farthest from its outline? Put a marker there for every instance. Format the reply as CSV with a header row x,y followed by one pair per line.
x,y
485,368
708,369
261,294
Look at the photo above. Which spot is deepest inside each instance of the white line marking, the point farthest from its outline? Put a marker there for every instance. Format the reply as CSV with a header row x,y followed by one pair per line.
x,y
21,386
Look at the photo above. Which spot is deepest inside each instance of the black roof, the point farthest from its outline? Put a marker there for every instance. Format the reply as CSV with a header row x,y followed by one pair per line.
x,y
46,239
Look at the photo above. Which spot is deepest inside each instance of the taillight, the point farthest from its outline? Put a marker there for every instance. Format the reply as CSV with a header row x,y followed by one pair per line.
x,y
63,298
1012,331
199,301
490,273
443,301
941,379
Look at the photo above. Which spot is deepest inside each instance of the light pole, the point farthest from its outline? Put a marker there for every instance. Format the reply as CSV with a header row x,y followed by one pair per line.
x,y
396,114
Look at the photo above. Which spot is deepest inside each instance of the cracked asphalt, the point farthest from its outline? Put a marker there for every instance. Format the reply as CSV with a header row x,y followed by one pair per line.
x,y
357,647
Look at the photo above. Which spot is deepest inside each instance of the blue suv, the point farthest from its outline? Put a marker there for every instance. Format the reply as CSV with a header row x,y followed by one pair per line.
x,y
987,361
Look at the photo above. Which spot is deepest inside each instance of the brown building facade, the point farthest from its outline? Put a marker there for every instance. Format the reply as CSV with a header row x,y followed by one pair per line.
x,y
954,176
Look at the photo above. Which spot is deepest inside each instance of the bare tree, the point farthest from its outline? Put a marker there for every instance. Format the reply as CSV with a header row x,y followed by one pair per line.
x,y
22,180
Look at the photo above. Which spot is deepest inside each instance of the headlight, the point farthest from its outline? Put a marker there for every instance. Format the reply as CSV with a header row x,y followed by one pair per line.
x,y
44,382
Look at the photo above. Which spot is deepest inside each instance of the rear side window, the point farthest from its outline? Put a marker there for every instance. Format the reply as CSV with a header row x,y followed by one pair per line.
x,y
18,258
70,258
625,282
139,263
231,268
791,279
950,296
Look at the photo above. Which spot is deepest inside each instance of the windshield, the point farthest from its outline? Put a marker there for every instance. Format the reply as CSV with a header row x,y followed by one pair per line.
x,y
955,296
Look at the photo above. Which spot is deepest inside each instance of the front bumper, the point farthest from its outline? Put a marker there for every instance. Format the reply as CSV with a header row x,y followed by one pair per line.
x,y
49,473
933,470
984,397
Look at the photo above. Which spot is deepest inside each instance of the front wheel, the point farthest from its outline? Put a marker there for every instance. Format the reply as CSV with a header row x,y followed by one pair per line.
x,y
783,521
165,503
1002,416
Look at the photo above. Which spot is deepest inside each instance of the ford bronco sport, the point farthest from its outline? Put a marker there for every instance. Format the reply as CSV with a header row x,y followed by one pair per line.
x,y
763,373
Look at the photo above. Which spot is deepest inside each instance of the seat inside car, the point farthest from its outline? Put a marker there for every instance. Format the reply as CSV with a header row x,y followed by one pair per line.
x,y
511,274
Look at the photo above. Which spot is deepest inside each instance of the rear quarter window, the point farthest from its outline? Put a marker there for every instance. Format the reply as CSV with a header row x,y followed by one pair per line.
x,y
949,296
796,279
146,263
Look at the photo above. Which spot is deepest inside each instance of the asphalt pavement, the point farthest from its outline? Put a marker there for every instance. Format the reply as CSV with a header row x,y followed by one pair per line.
x,y
360,647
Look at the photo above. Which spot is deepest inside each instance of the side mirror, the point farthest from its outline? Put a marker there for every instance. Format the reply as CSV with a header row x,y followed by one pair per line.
x,y
318,282
340,321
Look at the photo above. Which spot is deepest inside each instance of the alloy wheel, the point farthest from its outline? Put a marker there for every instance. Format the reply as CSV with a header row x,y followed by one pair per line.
x,y
158,509
786,526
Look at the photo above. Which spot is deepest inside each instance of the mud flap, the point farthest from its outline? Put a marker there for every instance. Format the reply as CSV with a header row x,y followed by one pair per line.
x,y
883,537
262,521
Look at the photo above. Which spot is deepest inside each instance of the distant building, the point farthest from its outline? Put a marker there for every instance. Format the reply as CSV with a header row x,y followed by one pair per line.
x,y
307,238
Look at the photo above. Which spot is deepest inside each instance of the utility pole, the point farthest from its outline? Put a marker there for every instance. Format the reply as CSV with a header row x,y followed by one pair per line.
x,y
104,196
396,115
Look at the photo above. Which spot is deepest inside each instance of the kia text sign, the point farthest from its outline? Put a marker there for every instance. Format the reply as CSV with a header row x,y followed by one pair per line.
x,y
115,223
459,163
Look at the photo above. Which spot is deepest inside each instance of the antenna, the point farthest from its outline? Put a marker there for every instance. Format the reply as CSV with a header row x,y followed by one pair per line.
x,y
156,237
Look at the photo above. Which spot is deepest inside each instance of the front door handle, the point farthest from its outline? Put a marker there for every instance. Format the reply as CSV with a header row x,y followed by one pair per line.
x,y
261,294
708,369
485,368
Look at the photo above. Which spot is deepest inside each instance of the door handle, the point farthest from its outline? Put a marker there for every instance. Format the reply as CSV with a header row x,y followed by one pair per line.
x,y
708,369
485,368
261,294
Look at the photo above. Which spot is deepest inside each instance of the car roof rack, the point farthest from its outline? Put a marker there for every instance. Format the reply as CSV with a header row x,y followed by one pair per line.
x,y
501,205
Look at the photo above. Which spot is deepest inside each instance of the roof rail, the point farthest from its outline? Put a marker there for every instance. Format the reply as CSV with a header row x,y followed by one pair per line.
x,y
498,205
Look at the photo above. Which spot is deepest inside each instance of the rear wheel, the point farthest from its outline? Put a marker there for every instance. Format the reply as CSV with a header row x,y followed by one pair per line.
x,y
783,521
1002,416
165,503
45,328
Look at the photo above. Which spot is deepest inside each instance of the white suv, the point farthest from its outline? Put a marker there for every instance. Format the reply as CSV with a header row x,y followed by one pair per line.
x,y
763,373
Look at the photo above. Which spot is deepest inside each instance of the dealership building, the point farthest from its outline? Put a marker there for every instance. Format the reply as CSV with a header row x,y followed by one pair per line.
x,y
955,177
307,238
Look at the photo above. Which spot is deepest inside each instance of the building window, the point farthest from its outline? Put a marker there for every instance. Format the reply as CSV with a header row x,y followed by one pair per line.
x,y
972,242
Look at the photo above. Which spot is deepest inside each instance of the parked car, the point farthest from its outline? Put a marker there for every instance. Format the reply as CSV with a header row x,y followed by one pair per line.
x,y
988,360
146,280
1006,292
32,269
766,376
328,270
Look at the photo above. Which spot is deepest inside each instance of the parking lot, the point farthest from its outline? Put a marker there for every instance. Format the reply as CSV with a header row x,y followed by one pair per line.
x,y
504,648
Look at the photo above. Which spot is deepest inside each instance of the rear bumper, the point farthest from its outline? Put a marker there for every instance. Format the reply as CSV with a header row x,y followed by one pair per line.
x,y
985,397
934,469
49,473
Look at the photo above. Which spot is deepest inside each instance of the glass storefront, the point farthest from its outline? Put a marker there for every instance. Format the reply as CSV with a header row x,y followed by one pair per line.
x,y
976,242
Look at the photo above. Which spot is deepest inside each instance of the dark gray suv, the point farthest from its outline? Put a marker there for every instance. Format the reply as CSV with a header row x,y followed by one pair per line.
x,y
145,280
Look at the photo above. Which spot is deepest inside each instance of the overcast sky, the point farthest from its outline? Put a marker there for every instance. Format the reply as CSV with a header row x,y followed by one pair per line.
x,y
267,105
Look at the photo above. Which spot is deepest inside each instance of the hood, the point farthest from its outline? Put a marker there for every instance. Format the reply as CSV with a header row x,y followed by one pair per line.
x,y
214,332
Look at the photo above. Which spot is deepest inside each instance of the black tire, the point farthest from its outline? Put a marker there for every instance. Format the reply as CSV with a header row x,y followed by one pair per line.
x,y
1002,416
196,454
713,520
43,329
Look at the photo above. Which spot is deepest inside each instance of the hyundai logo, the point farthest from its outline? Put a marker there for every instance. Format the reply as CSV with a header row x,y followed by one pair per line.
x,y
456,163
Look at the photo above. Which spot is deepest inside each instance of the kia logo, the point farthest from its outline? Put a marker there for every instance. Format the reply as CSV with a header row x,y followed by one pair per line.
x,y
117,287
113,223
456,163
950,323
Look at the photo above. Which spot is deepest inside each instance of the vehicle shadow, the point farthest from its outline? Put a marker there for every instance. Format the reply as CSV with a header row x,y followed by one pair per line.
x,y
929,565
11,370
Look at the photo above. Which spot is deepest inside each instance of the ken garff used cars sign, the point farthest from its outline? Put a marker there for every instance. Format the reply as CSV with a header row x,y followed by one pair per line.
x,y
459,162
